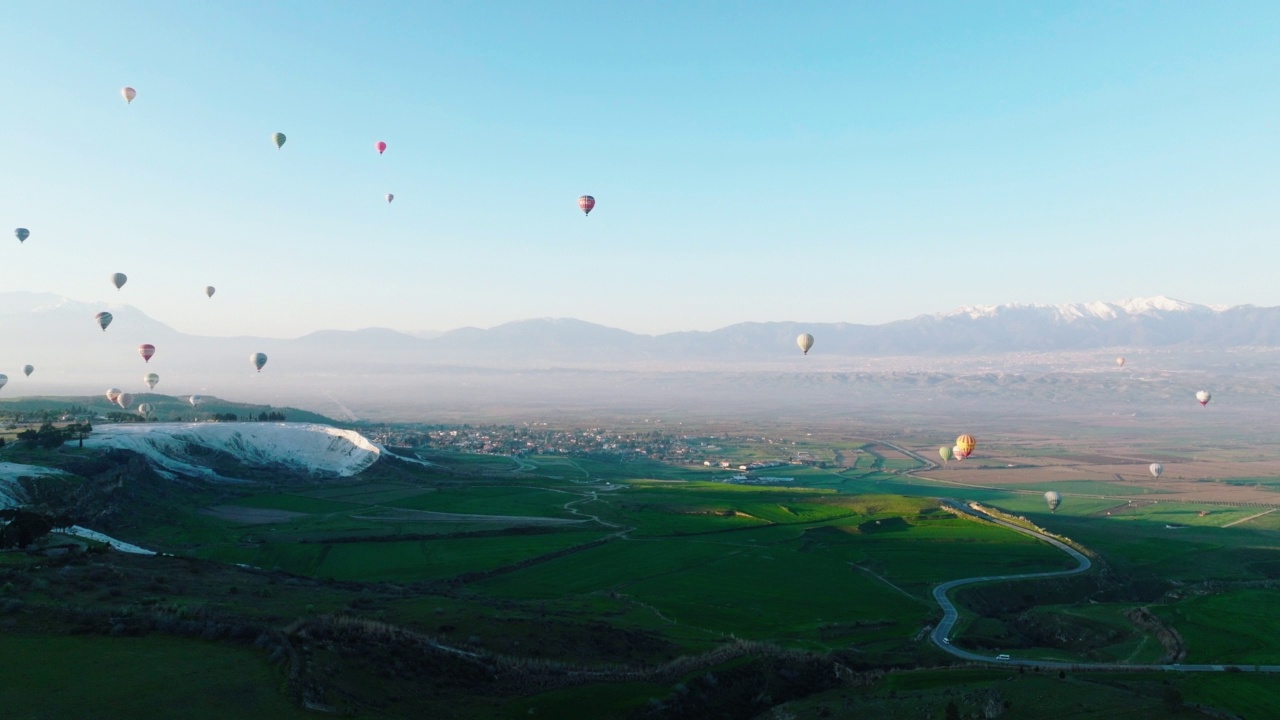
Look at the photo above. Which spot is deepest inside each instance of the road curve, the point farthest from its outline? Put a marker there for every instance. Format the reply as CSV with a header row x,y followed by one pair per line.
x,y
950,615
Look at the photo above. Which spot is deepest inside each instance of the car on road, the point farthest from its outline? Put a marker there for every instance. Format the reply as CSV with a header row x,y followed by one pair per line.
x,y
946,640
1002,656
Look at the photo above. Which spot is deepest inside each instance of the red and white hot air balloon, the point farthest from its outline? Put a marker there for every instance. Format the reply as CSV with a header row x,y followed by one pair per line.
x,y
146,350
586,203
382,147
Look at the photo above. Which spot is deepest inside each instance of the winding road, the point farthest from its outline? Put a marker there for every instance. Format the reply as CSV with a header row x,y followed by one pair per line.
x,y
950,615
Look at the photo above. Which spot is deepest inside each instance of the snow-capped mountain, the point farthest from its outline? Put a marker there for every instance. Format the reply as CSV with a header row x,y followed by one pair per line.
x,y
184,449
68,350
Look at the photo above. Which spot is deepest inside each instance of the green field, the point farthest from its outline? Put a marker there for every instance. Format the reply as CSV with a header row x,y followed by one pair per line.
x,y
101,677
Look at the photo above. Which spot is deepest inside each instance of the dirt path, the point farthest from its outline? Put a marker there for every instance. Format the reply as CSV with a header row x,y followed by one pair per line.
x,y
1251,517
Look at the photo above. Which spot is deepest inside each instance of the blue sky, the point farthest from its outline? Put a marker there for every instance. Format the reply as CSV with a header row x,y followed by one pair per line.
x,y
858,162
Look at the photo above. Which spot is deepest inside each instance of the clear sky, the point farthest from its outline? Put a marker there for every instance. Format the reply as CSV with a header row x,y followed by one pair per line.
x,y
751,161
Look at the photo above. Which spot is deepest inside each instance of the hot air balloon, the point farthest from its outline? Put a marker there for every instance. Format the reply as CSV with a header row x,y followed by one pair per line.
x,y
946,453
260,359
1054,500
1120,361
119,279
22,234
4,379
145,409
112,394
278,139
146,350
151,379
382,147
965,444
104,319
129,94
957,453
1204,397
124,400
28,369
195,400
390,197
209,291
586,203
1156,469
805,341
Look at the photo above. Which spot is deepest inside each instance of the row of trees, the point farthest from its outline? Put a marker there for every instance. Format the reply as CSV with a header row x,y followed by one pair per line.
x,y
49,436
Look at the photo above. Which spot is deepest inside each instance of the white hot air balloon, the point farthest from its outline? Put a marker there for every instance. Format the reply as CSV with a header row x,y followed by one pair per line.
x,y
1053,499
1204,397
145,410
1120,361
124,400
805,341
957,452
390,197
1156,469
258,360
112,394
128,94
151,379
195,400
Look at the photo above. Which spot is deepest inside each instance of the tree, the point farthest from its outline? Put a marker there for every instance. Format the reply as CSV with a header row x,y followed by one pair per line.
x,y
952,712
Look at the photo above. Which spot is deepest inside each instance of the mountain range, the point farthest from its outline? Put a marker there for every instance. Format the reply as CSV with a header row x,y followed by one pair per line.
x,y
567,366
52,326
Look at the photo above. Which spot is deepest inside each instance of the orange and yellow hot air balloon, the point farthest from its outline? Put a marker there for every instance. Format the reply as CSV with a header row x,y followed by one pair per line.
x,y
965,445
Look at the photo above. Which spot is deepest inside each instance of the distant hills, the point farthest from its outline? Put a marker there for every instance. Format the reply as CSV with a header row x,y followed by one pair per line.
x,y
47,326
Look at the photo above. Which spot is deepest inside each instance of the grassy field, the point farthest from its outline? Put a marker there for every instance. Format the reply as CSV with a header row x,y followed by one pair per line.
x,y
584,560
106,677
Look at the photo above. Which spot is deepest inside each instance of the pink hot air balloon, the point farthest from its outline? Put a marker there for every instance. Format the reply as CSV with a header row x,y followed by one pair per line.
x,y
586,203
382,147
146,350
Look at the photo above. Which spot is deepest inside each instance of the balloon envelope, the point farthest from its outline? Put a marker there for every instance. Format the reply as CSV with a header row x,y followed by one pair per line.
x,y
145,409
957,453
112,394
151,379
4,379
260,359
104,319
124,400
586,203
946,453
128,93
209,290
1156,469
195,400
1120,361
1054,499
382,147
965,444
278,139
146,350
805,341
119,279
22,234
28,369
1204,397
390,197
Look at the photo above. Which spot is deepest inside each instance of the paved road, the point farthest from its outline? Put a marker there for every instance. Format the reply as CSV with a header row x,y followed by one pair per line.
x,y
950,615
